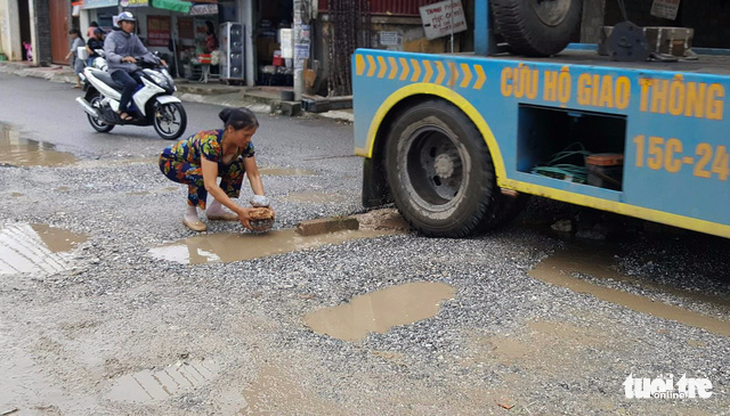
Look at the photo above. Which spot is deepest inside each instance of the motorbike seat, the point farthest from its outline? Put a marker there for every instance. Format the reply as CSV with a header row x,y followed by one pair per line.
x,y
107,79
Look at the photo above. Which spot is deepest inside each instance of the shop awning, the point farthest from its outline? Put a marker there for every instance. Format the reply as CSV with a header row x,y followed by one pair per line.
x,y
174,5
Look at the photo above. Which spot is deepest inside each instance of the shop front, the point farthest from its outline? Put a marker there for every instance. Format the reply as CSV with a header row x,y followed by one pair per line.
x,y
186,34
193,37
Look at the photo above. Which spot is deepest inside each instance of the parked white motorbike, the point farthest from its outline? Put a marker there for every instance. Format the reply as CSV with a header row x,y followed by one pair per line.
x,y
99,62
152,104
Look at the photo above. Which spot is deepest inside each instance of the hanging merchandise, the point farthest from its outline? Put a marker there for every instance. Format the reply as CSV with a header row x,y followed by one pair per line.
x,y
158,30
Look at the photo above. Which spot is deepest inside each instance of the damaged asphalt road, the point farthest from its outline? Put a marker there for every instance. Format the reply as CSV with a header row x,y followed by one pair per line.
x,y
528,321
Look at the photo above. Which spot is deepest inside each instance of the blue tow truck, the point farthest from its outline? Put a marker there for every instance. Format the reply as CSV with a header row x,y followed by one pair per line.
x,y
457,140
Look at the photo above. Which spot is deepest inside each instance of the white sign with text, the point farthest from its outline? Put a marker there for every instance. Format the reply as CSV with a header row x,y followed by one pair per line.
x,y
666,9
443,18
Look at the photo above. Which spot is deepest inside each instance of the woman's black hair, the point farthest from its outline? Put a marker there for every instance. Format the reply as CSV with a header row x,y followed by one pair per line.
x,y
238,118
77,32
210,28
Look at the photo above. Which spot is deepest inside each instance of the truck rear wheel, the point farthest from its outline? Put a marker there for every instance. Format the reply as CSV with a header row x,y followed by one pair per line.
x,y
536,27
440,171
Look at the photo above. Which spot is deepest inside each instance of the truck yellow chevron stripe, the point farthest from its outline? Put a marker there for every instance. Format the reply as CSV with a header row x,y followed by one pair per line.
x,y
393,68
359,64
454,74
373,67
467,75
406,69
428,71
436,71
481,77
441,73
416,70
383,67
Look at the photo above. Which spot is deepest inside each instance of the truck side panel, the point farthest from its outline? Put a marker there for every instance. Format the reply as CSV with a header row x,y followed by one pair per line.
x,y
671,126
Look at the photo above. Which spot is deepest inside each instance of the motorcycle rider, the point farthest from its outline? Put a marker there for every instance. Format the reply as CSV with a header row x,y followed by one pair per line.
x,y
121,46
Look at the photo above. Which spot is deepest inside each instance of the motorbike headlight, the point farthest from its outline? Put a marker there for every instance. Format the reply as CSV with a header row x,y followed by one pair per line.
x,y
157,77
170,80
160,80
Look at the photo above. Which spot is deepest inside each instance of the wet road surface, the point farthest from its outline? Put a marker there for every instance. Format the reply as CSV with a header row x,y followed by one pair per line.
x,y
108,305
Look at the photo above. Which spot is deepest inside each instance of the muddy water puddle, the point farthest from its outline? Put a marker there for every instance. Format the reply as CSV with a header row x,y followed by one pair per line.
x,y
229,247
18,151
286,172
36,248
381,310
153,385
563,269
314,197
275,391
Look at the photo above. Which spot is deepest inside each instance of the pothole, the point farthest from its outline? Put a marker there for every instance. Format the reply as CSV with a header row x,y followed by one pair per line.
x,y
17,151
381,310
36,248
562,269
154,385
229,247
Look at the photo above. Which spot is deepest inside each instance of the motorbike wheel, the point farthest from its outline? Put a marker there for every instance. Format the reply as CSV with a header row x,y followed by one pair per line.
x,y
96,122
170,120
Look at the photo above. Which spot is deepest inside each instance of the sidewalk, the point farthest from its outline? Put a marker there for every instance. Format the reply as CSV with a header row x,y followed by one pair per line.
x,y
260,99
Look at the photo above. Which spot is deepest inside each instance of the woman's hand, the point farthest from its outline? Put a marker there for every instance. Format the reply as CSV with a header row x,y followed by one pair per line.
x,y
244,215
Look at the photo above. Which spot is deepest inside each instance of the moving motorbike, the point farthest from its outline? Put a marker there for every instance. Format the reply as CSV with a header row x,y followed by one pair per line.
x,y
152,104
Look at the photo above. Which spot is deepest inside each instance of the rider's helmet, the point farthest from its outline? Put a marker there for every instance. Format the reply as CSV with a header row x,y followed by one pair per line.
x,y
126,17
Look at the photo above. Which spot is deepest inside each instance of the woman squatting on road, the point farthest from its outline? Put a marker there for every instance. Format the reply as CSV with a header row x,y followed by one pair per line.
x,y
200,159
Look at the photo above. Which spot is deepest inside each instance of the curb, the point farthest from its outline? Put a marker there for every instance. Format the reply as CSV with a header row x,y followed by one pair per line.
x,y
225,100
53,74
326,226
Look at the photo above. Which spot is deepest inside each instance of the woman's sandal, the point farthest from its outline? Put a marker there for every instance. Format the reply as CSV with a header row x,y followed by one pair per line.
x,y
125,116
197,226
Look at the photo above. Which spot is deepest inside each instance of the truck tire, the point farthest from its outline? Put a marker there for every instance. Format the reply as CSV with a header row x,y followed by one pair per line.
x,y
440,171
536,27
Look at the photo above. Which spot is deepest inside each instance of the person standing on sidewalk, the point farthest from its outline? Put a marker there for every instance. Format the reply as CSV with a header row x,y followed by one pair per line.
x,y
77,63
200,159
122,48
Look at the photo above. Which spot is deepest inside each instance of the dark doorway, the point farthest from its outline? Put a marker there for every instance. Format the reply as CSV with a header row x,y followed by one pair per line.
x,y
24,16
